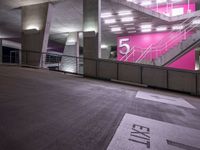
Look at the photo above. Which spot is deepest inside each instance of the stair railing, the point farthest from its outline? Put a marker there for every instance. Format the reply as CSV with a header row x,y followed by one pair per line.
x,y
170,39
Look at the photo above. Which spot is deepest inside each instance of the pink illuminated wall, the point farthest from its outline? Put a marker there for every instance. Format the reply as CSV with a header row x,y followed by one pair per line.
x,y
140,42
185,62
130,48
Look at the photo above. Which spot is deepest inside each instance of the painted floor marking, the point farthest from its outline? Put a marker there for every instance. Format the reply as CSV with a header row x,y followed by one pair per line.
x,y
139,133
164,99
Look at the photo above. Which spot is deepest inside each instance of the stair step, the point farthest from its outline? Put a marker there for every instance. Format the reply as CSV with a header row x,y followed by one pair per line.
x,y
182,46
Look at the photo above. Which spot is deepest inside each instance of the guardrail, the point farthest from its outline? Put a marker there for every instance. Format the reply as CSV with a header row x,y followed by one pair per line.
x,y
153,76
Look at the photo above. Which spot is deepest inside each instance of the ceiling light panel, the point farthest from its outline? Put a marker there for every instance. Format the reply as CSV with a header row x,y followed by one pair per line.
x,y
176,1
196,21
117,29
146,26
161,1
133,1
146,3
106,15
110,21
177,27
146,30
127,19
124,13
104,46
161,28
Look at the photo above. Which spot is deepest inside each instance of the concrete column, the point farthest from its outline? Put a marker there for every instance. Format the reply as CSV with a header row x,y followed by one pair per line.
x,y
71,64
197,58
1,51
36,20
92,35
92,28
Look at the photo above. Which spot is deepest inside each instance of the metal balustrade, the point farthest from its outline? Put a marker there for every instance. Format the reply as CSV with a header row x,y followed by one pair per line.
x,y
154,51
46,60
124,72
168,42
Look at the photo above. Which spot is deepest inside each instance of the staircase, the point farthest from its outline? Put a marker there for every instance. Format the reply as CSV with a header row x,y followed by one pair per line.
x,y
166,51
179,50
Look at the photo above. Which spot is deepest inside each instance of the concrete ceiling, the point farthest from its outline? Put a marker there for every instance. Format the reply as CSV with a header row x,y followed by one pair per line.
x,y
67,18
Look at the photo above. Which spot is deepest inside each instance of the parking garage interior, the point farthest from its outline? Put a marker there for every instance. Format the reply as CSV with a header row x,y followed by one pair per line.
x,y
99,75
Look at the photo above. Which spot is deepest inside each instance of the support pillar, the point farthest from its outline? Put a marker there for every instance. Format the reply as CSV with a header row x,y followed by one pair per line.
x,y
1,51
92,35
36,20
197,58
71,64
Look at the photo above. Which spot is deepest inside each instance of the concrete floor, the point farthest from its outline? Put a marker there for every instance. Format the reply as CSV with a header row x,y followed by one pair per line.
x,y
43,110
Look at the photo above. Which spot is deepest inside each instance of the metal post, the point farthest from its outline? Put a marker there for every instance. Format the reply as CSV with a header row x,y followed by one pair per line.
x,y
185,35
156,5
188,10
76,65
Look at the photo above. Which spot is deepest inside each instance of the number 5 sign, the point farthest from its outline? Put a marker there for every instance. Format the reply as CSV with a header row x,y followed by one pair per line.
x,y
124,46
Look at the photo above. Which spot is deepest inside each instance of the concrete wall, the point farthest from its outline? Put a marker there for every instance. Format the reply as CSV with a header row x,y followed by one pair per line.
x,y
90,68
155,77
107,69
182,81
198,84
160,77
130,73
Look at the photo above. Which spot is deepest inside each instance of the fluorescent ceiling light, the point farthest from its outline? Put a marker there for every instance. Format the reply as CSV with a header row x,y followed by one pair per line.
x,y
133,1
109,21
106,15
161,28
177,27
176,1
127,19
177,11
104,46
196,21
32,27
131,28
146,3
146,30
124,13
161,1
146,26
116,29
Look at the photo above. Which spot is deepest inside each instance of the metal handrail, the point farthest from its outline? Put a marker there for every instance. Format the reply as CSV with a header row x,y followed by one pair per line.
x,y
170,34
150,50
176,37
183,31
